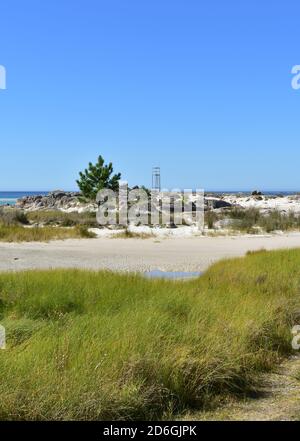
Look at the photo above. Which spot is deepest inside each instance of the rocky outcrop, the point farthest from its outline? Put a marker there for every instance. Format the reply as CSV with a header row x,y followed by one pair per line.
x,y
212,203
55,200
73,201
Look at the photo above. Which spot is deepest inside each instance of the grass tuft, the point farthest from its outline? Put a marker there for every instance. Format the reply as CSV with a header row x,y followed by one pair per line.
x,y
11,216
17,233
127,234
253,221
63,219
100,345
17,226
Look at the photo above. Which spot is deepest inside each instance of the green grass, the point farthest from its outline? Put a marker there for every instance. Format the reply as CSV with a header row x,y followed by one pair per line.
x,y
12,216
18,233
252,221
18,226
247,220
210,217
99,345
127,234
57,217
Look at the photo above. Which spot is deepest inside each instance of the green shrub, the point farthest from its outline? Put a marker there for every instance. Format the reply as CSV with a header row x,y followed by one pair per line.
x,y
210,218
251,220
12,216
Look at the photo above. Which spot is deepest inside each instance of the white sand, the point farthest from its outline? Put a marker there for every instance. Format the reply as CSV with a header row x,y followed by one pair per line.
x,y
169,254
267,203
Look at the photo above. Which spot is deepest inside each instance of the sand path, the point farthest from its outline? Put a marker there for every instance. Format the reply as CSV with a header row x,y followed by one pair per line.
x,y
278,400
170,254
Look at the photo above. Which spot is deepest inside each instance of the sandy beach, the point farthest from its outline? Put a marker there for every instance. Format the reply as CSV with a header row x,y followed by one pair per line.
x,y
169,254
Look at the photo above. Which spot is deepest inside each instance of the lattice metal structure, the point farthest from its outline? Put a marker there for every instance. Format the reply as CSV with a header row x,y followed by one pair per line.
x,y
156,178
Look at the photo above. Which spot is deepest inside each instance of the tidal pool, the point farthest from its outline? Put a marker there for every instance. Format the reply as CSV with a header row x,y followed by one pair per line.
x,y
157,274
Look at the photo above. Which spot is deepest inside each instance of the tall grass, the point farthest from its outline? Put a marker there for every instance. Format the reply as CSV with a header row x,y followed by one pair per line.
x,y
15,225
99,345
17,233
210,217
127,234
14,216
252,220
11,216
57,217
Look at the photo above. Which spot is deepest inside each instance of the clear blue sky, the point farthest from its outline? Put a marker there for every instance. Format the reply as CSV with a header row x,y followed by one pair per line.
x,y
201,88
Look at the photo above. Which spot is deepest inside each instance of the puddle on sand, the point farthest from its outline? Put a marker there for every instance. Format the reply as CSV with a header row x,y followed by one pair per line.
x,y
157,274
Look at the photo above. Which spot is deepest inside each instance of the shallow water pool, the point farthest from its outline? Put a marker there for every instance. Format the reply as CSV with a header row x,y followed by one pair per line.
x,y
157,274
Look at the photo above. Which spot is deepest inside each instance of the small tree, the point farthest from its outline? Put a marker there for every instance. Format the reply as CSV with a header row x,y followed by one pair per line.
x,y
96,177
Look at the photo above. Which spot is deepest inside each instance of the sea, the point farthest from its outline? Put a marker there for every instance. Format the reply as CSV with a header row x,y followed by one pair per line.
x,y
11,197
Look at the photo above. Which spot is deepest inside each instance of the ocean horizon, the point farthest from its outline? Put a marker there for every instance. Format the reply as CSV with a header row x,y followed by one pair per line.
x,y
11,197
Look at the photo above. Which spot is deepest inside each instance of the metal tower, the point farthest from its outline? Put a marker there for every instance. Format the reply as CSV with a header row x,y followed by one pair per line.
x,y
156,178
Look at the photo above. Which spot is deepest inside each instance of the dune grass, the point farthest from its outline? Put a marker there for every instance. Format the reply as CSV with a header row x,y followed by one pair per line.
x,y
15,225
12,216
127,234
99,345
61,218
252,220
247,220
15,216
18,233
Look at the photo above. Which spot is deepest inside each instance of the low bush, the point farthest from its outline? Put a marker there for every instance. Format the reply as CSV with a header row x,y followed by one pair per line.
x,y
251,220
11,216
17,233
61,218
127,234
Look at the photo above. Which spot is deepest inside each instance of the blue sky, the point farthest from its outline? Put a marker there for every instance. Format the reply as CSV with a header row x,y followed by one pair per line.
x,y
201,88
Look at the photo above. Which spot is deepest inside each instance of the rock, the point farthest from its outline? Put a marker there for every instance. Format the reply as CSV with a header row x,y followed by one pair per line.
x,y
55,200
216,203
256,193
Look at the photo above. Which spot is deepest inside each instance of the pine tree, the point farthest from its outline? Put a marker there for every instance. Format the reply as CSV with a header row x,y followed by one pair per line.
x,y
96,177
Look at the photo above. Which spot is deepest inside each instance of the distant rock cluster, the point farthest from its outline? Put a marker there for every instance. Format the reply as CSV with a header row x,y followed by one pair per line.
x,y
214,204
58,199
72,201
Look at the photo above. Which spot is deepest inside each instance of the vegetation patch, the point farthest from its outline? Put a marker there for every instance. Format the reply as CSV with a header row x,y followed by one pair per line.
x,y
17,233
127,234
12,216
18,226
99,345
63,219
253,221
